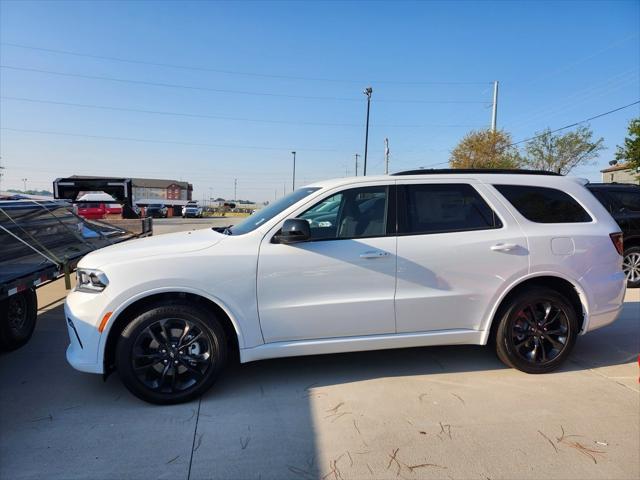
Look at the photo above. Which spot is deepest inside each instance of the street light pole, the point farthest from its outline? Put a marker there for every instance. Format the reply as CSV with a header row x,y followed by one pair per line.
x,y
367,91
24,185
294,170
235,189
494,107
357,156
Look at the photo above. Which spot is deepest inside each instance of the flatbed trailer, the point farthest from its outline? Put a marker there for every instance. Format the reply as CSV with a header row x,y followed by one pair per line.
x,y
41,241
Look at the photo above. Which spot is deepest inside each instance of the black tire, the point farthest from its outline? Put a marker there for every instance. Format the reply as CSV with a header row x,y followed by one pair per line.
x,y
532,337
162,372
18,315
631,266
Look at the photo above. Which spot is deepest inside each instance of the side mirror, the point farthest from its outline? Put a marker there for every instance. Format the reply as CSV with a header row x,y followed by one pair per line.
x,y
294,230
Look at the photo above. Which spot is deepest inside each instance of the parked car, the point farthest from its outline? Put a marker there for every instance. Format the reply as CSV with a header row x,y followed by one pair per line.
x,y
523,262
191,209
101,203
623,202
91,210
113,208
157,210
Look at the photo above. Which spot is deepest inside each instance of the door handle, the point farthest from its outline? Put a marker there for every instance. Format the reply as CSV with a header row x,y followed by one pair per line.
x,y
374,254
503,247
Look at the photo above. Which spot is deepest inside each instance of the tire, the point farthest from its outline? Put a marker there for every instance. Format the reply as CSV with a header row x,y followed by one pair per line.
x,y
167,373
522,339
18,315
631,266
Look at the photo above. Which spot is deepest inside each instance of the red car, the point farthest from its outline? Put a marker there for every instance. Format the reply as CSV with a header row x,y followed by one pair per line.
x,y
92,211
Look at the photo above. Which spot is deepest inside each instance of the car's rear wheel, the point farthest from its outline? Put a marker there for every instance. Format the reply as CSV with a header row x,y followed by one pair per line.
x,y
631,266
18,315
537,330
171,353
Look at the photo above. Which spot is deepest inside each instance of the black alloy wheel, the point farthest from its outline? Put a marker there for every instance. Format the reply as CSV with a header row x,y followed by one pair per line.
x,y
536,330
171,353
539,332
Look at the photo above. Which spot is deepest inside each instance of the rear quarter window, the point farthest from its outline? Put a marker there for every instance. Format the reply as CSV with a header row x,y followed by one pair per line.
x,y
628,199
543,204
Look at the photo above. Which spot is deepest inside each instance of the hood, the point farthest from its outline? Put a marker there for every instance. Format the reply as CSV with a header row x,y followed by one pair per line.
x,y
170,243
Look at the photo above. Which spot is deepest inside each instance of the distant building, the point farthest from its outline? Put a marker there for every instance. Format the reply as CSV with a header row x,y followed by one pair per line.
x,y
170,192
620,173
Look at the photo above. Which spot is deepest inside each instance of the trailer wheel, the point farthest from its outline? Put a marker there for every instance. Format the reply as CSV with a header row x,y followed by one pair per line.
x,y
18,315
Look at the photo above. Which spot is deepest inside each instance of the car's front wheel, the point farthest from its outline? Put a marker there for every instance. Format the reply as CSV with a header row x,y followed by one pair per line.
x,y
171,353
631,266
537,330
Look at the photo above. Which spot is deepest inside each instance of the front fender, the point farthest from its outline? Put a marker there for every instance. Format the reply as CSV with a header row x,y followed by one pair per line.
x,y
123,305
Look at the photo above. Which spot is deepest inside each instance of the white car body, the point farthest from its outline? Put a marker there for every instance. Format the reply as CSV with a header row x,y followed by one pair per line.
x,y
363,294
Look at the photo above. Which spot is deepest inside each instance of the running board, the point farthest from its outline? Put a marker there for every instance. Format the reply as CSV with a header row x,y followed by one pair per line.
x,y
362,343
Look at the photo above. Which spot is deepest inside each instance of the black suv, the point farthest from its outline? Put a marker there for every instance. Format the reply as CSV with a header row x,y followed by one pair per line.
x,y
623,202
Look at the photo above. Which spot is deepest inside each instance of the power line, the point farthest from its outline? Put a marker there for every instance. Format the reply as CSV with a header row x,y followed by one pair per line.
x,y
171,142
221,90
221,117
577,123
234,72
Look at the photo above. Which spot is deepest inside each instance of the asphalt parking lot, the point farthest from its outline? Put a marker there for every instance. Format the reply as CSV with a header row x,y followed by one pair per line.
x,y
443,412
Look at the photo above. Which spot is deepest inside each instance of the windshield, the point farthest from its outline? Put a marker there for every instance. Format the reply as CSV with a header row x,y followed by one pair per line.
x,y
267,213
155,205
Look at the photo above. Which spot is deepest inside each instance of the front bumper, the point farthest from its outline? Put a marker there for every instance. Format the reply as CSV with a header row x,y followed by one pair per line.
x,y
84,338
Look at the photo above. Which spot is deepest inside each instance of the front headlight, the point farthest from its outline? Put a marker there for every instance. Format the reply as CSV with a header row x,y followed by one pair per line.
x,y
93,281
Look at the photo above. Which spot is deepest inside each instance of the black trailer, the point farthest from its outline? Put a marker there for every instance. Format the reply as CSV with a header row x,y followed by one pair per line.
x,y
41,241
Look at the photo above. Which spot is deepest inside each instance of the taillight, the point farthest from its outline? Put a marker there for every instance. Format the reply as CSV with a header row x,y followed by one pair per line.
x,y
616,238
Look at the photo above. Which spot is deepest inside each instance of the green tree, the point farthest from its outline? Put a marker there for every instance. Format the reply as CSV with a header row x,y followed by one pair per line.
x,y
561,153
485,149
630,151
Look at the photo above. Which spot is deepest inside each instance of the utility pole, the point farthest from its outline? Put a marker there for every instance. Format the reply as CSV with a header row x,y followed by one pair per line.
x,y
386,156
294,170
235,189
367,91
357,156
494,110
1,174
24,185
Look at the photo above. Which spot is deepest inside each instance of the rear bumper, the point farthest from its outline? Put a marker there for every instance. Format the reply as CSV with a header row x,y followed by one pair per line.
x,y
603,319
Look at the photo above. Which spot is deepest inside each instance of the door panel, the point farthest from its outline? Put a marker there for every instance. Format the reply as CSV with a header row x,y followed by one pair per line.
x,y
448,280
326,289
342,282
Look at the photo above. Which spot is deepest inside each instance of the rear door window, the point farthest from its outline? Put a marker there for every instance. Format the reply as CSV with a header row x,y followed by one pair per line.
x,y
439,208
544,205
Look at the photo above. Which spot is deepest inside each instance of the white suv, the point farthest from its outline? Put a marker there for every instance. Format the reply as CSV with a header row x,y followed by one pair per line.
x,y
521,260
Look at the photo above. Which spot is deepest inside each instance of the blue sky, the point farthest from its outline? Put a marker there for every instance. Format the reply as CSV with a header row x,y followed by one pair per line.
x,y
266,78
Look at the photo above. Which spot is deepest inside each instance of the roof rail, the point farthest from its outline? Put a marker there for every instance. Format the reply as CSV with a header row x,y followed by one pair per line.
x,y
437,171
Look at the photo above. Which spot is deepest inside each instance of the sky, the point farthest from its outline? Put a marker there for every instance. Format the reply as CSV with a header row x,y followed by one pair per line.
x,y
210,92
